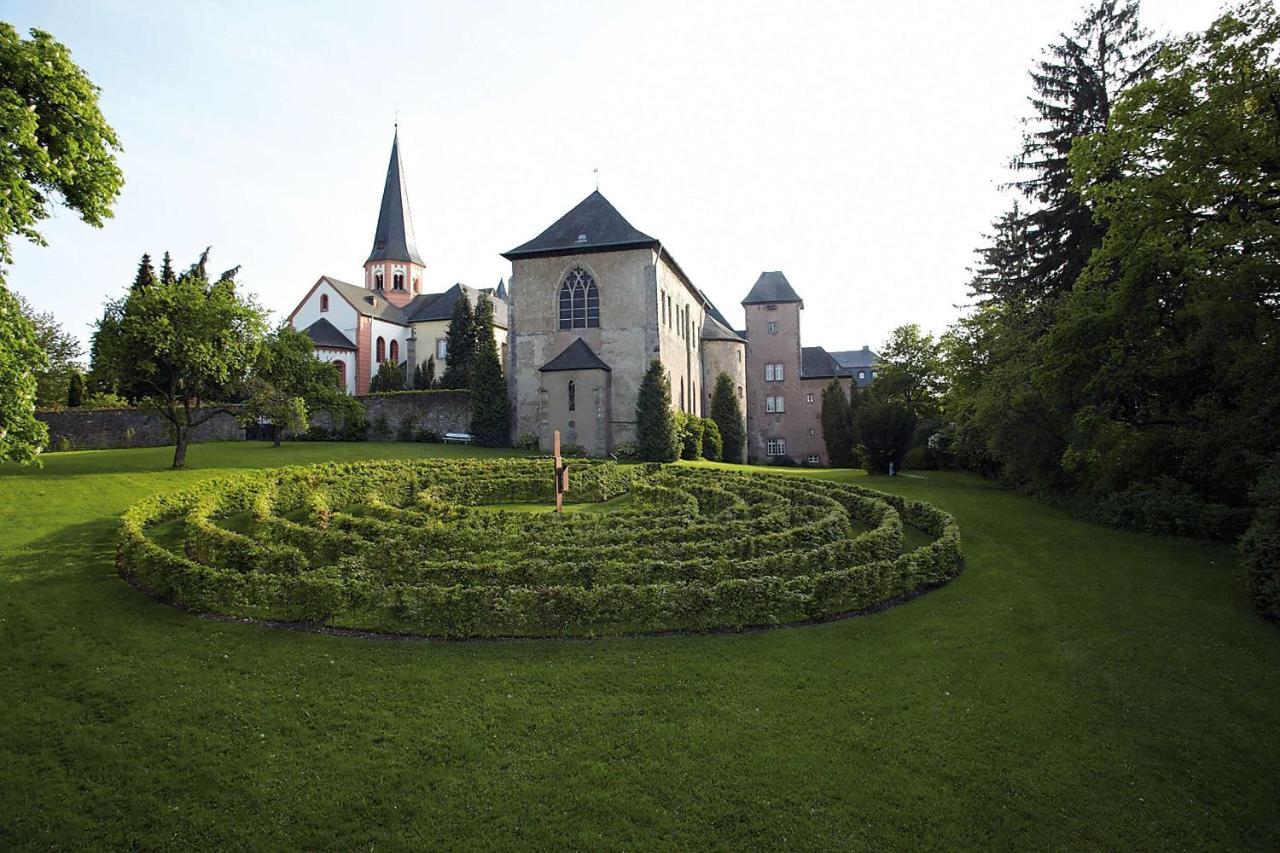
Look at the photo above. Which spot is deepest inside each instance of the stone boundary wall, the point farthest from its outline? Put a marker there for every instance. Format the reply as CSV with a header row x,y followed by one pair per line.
x,y
98,429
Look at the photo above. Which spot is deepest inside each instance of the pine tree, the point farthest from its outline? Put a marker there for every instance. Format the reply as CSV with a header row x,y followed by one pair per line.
x,y
429,373
656,437
388,378
1075,85
167,275
728,417
461,345
75,391
836,431
489,404
146,275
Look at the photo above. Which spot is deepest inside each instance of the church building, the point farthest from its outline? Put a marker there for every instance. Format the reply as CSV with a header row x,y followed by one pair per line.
x,y
388,317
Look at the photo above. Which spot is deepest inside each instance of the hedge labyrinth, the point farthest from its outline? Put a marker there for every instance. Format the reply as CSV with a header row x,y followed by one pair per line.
x,y
408,547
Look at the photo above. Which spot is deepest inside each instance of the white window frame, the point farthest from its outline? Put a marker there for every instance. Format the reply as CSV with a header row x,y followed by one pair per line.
x,y
774,404
442,349
776,447
812,457
772,327
808,398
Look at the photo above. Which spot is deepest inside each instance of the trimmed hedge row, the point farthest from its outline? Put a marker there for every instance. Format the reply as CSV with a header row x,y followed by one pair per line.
x,y
408,547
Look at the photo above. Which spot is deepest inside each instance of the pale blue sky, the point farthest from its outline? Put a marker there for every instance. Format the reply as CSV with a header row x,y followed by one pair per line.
x,y
857,146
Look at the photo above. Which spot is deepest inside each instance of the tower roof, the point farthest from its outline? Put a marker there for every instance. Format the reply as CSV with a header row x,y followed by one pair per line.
x,y
594,225
772,287
393,239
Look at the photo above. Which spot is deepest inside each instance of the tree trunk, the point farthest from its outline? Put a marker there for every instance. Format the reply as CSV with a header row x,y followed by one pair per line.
x,y
180,450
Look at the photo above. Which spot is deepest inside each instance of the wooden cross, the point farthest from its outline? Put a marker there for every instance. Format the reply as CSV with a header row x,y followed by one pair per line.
x,y
562,472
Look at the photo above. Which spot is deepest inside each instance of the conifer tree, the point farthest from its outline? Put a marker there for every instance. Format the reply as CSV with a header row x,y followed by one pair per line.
x,y
388,378
461,345
167,275
146,275
75,391
656,436
489,404
728,418
836,432
424,375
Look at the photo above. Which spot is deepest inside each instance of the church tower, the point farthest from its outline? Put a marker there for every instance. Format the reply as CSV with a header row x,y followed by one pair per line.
x,y
394,270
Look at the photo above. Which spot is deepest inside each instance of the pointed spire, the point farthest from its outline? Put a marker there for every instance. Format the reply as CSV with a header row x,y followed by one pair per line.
x,y
501,292
393,239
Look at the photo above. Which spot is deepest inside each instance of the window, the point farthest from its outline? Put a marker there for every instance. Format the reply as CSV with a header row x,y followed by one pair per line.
x,y
579,301
808,398
324,302
395,351
811,432
739,355
862,374
397,281
682,393
573,396
739,392
773,373
774,404
382,350
873,374
341,368
812,457
776,447
377,277
442,349
772,327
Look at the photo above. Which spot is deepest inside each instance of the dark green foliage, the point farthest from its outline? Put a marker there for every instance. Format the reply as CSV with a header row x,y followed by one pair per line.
x,y
390,377
424,375
656,437
712,441
1260,546
490,408
21,435
727,414
689,428
885,428
461,345
146,275
380,428
76,391
167,275
287,362
837,433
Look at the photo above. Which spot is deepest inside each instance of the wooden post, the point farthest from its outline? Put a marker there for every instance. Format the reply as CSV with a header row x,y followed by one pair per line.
x,y
555,455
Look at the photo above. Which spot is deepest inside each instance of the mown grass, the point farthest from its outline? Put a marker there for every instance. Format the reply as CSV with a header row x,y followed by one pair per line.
x,y
1074,688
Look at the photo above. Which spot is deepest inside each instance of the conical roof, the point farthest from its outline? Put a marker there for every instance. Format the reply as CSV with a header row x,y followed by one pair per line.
x,y
594,225
393,239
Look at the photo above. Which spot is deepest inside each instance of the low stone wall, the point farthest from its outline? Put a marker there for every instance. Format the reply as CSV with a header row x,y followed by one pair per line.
x,y
96,429
391,416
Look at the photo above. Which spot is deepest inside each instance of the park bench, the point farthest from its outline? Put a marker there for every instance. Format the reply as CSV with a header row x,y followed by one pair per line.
x,y
459,437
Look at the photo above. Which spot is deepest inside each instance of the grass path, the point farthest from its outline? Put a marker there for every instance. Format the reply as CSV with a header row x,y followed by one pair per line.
x,y
1074,688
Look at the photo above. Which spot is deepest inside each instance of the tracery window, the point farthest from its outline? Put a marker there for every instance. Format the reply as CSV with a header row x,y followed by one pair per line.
x,y
579,301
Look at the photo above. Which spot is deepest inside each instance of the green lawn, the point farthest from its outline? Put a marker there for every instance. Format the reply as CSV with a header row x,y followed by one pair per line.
x,y
1074,688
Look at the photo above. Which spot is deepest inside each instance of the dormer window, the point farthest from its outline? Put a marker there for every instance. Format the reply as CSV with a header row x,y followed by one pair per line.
x,y
324,302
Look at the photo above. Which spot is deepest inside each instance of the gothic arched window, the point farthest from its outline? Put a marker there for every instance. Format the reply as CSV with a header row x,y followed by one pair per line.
x,y
573,396
395,351
579,300
382,350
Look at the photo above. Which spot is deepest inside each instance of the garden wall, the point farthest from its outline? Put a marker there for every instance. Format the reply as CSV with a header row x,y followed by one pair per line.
x,y
391,416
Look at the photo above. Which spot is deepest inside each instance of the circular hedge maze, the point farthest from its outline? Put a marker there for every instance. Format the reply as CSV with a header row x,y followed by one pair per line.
x,y
410,547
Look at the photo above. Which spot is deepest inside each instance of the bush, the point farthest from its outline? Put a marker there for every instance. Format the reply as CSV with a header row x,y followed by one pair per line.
x,y
689,428
401,546
920,459
526,441
1260,546
390,377
427,436
712,443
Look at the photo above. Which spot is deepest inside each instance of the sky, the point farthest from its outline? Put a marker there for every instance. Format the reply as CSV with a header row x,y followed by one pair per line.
x,y
858,146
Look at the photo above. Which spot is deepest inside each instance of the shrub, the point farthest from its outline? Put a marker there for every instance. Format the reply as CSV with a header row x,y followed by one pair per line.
x,y
401,546
526,441
625,450
390,377
920,459
690,431
712,443
1260,546
571,449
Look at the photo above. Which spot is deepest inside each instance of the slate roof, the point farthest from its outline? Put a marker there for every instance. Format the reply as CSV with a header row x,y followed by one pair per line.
x,y
713,330
817,363
393,238
855,358
576,356
594,225
367,302
325,334
439,306
501,292
771,287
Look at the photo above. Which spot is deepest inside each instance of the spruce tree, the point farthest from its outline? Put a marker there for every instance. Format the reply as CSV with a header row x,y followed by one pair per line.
x,y
461,345
656,436
836,430
167,275
728,418
146,275
489,404
424,375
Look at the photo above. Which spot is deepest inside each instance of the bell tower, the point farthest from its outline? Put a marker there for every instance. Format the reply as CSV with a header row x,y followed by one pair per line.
x,y
394,269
